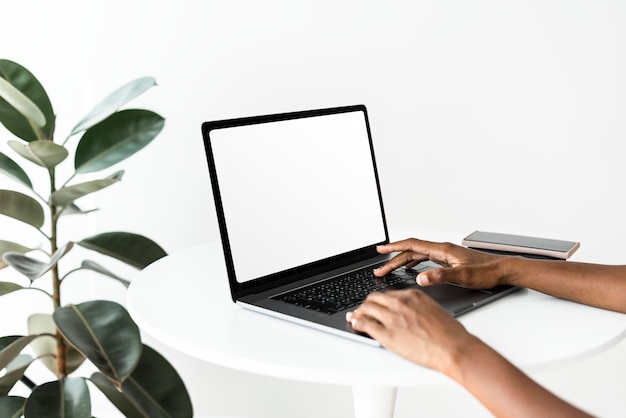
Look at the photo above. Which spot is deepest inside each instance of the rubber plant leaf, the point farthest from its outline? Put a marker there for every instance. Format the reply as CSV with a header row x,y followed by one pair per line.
x,y
114,102
67,398
39,324
132,249
164,397
14,372
33,268
67,195
12,406
43,153
21,207
116,138
104,332
20,78
21,103
93,266
11,346
75,210
8,287
8,246
13,170
117,398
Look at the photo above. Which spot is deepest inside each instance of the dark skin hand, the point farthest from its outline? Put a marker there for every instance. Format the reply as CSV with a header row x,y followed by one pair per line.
x,y
414,326
602,286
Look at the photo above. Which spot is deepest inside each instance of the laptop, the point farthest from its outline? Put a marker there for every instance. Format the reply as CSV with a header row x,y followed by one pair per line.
x,y
300,213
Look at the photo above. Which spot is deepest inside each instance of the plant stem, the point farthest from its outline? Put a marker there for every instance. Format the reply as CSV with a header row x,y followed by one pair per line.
x,y
56,281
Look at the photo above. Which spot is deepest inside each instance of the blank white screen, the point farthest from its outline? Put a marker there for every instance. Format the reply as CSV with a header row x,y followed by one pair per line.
x,y
296,191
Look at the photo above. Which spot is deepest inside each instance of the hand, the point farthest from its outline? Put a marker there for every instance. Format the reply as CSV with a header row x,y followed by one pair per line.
x,y
471,268
413,325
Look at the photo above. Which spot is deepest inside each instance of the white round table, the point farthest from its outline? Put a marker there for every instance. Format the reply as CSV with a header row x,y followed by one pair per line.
x,y
183,300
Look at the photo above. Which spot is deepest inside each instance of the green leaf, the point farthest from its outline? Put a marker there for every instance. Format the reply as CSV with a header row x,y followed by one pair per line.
x,y
39,324
93,266
75,210
8,287
12,346
13,170
13,120
68,398
15,371
15,363
163,397
21,207
4,343
33,268
28,266
21,103
135,250
43,153
105,333
116,138
113,102
117,398
166,396
8,246
12,406
67,195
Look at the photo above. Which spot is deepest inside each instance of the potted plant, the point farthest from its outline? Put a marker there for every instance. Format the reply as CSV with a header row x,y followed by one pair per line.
x,y
133,376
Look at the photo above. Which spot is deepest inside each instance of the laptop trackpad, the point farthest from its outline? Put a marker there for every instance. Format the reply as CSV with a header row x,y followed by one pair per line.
x,y
454,298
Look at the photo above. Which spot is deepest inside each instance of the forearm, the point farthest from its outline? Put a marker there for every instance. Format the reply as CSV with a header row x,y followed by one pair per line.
x,y
501,387
592,284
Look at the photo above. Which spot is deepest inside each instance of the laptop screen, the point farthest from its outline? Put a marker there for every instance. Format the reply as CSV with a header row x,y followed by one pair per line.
x,y
296,191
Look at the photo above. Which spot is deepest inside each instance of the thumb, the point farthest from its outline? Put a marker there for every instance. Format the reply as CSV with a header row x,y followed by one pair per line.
x,y
482,276
441,275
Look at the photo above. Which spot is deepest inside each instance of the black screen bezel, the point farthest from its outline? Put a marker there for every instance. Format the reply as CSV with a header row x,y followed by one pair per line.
x,y
239,290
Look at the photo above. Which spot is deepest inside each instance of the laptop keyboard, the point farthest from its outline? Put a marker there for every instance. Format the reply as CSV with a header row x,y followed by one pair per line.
x,y
346,291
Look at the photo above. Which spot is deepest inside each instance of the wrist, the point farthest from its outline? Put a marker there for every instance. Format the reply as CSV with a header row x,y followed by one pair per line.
x,y
464,358
509,269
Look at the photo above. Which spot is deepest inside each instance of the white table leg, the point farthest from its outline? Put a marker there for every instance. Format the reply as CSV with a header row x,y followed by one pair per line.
x,y
371,401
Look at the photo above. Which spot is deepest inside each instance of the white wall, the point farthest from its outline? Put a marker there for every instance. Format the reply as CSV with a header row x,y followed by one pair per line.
x,y
494,115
